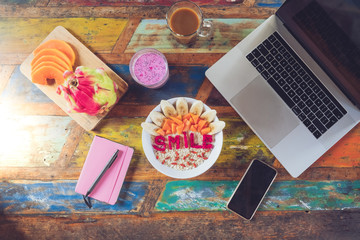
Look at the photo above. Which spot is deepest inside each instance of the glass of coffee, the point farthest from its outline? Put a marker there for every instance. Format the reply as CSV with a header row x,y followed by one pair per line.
x,y
185,21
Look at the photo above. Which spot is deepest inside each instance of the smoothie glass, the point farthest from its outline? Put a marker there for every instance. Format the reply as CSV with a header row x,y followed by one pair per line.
x,y
149,68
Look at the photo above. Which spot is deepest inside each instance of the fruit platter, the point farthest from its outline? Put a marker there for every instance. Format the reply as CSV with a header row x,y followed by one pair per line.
x,y
182,137
73,77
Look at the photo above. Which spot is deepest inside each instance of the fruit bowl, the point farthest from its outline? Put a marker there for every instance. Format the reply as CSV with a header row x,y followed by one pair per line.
x,y
181,174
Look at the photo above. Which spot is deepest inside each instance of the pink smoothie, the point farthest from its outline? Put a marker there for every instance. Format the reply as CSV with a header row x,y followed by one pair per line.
x,y
150,68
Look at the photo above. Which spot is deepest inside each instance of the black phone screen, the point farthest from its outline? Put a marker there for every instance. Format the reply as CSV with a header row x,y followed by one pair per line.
x,y
251,189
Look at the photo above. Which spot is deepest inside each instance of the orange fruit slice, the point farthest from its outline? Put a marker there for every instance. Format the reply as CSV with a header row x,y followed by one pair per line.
x,y
49,63
51,58
52,52
45,73
59,45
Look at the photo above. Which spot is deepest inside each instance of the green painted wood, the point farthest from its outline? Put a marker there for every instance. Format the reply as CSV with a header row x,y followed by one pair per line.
x,y
283,196
227,33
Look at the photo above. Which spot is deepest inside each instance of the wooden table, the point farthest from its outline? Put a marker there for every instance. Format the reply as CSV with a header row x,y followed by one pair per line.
x,y
42,150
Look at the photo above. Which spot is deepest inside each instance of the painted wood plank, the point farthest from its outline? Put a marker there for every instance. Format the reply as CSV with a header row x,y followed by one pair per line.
x,y
329,225
242,144
283,196
346,153
54,3
133,10
21,90
32,141
126,131
183,81
177,85
19,2
269,3
21,97
33,197
126,35
239,147
153,33
5,74
22,35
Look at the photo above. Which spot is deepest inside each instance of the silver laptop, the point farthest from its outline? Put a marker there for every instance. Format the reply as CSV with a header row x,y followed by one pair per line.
x,y
295,80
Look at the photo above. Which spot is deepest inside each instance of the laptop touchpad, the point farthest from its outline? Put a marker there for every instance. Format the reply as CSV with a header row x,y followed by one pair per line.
x,y
264,111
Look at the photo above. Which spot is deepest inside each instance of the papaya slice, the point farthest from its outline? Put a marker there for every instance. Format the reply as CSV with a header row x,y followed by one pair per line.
x,y
49,63
59,45
45,73
51,51
51,58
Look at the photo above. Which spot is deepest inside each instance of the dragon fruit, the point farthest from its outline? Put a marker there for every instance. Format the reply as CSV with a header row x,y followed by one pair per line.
x,y
88,90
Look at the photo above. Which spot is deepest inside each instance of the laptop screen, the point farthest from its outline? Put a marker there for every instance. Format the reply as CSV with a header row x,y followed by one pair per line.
x,y
330,31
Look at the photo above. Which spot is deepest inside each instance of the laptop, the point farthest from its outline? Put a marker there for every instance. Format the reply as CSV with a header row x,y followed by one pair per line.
x,y
295,80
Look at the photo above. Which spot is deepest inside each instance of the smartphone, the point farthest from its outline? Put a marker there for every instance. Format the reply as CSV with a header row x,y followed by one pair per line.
x,y
251,189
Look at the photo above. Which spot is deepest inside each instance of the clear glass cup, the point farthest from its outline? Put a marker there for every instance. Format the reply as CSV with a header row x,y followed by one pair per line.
x,y
204,28
149,68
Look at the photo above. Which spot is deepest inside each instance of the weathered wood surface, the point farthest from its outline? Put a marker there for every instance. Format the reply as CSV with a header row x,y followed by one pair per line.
x,y
199,225
42,150
284,195
143,9
58,197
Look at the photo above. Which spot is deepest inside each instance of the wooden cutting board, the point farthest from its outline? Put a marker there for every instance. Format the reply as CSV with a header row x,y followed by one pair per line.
x,y
84,57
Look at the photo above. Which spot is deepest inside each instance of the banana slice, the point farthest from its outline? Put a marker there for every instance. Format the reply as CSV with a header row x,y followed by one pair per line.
x,y
182,107
209,115
216,127
150,128
197,107
157,118
168,109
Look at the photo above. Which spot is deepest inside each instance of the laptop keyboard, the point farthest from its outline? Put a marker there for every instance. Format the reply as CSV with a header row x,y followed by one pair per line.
x,y
293,81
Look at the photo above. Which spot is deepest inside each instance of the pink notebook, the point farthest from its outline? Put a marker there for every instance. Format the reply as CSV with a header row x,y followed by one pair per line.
x,y
100,152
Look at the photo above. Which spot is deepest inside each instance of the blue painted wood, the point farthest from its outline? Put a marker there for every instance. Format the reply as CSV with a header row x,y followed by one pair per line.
x,y
269,3
24,90
177,85
18,2
286,195
60,197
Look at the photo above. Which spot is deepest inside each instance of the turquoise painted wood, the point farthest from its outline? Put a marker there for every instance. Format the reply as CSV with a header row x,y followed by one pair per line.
x,y
60,197
154,33
183,81
286,195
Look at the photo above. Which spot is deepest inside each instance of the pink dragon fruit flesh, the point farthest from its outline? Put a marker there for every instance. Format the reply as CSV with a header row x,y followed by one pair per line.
x,y
88,90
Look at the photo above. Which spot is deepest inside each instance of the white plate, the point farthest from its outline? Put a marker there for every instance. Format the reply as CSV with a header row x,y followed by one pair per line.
x,y
182,174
